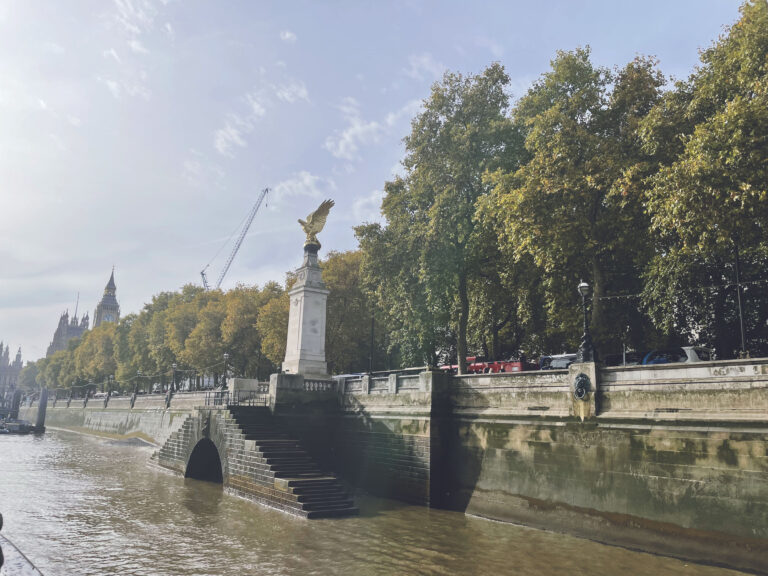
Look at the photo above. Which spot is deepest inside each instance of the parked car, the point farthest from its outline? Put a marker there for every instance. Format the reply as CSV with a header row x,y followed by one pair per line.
x,y
684,354
556,361
631,358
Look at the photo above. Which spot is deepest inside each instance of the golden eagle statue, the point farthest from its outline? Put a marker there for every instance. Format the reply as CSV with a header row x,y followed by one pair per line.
x,y
316,221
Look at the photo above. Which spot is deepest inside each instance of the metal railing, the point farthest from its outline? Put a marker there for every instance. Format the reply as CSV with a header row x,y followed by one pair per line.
x,y
237,398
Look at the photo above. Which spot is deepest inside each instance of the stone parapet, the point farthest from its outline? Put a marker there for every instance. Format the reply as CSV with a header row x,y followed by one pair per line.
x,y
719,392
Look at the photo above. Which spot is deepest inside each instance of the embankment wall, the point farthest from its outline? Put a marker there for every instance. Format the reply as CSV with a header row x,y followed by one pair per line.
x,y
671,459
148,420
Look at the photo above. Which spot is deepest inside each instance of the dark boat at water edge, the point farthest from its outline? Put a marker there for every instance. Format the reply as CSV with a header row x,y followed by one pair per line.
x,y
19,427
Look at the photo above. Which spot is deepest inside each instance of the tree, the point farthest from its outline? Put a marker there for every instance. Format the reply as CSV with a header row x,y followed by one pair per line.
x,y
28,377
272,323
350,313
240,334
204,347
461,132
709,200
575,205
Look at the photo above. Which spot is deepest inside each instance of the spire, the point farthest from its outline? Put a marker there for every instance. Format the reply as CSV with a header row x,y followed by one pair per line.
x,y
110,287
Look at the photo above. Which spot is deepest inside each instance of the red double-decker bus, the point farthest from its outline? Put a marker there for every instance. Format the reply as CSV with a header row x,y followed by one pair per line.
x,y
480,365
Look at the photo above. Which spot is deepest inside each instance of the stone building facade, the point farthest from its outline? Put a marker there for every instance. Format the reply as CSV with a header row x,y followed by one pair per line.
x,y
66,330
9,370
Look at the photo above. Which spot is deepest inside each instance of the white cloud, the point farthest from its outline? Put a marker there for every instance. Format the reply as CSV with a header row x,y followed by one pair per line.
x,y
133,22
74,120
368,208
134,84
137,47
257,103
424,67
496,49
53,48
231,135
345,144
301,185
408,111
42,103
112,85
135,16
112,54
288,36
200,173
239,125
292,92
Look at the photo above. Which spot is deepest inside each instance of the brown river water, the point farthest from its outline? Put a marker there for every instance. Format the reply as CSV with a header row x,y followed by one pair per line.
x,y
81,505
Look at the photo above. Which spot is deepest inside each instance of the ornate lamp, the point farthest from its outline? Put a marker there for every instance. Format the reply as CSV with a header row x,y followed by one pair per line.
x,y
586,351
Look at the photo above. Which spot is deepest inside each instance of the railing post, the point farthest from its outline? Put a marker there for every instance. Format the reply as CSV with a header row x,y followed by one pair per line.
x,y
392,383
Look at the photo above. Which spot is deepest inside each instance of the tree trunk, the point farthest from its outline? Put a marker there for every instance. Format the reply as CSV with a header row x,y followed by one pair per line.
x,y
461,337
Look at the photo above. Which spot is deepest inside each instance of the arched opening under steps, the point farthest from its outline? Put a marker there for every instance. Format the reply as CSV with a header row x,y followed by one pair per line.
x,y
205,463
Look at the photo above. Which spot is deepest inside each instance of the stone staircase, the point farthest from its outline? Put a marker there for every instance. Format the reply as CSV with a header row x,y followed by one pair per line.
x,y
300,485
172,453
261,462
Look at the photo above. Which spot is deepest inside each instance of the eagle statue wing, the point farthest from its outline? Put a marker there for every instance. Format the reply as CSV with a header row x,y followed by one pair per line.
x,y
316,220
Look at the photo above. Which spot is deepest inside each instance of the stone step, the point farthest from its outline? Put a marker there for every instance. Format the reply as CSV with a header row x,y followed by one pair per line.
x,y
288,459
330,505
297,475
305,490
261,430
266,436
286,464
307,482
350,511
294,471
280,449
315,497
335,488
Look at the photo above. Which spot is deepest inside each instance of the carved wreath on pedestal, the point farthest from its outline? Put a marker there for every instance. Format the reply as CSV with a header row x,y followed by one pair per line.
x,y
581,386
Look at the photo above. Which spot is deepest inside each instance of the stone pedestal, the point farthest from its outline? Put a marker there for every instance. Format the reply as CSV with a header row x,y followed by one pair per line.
x,y
583,389
305,346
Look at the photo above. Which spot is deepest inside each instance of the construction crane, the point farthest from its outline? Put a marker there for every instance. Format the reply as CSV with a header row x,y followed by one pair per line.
x,y
240,238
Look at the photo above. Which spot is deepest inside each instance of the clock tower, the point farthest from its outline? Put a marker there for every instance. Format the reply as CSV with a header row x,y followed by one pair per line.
x,y
108,310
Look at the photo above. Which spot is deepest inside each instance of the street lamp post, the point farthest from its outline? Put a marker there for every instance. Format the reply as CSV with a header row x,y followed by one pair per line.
x,y
224,383
586,351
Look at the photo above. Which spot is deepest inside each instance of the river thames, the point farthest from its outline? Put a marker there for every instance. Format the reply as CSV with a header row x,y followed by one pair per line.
x,y
83,505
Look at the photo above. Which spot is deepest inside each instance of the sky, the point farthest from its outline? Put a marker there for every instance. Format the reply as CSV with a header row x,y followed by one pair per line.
x,y
139,133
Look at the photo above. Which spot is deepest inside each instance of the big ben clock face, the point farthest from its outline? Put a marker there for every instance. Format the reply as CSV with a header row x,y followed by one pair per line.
x,y
109,317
